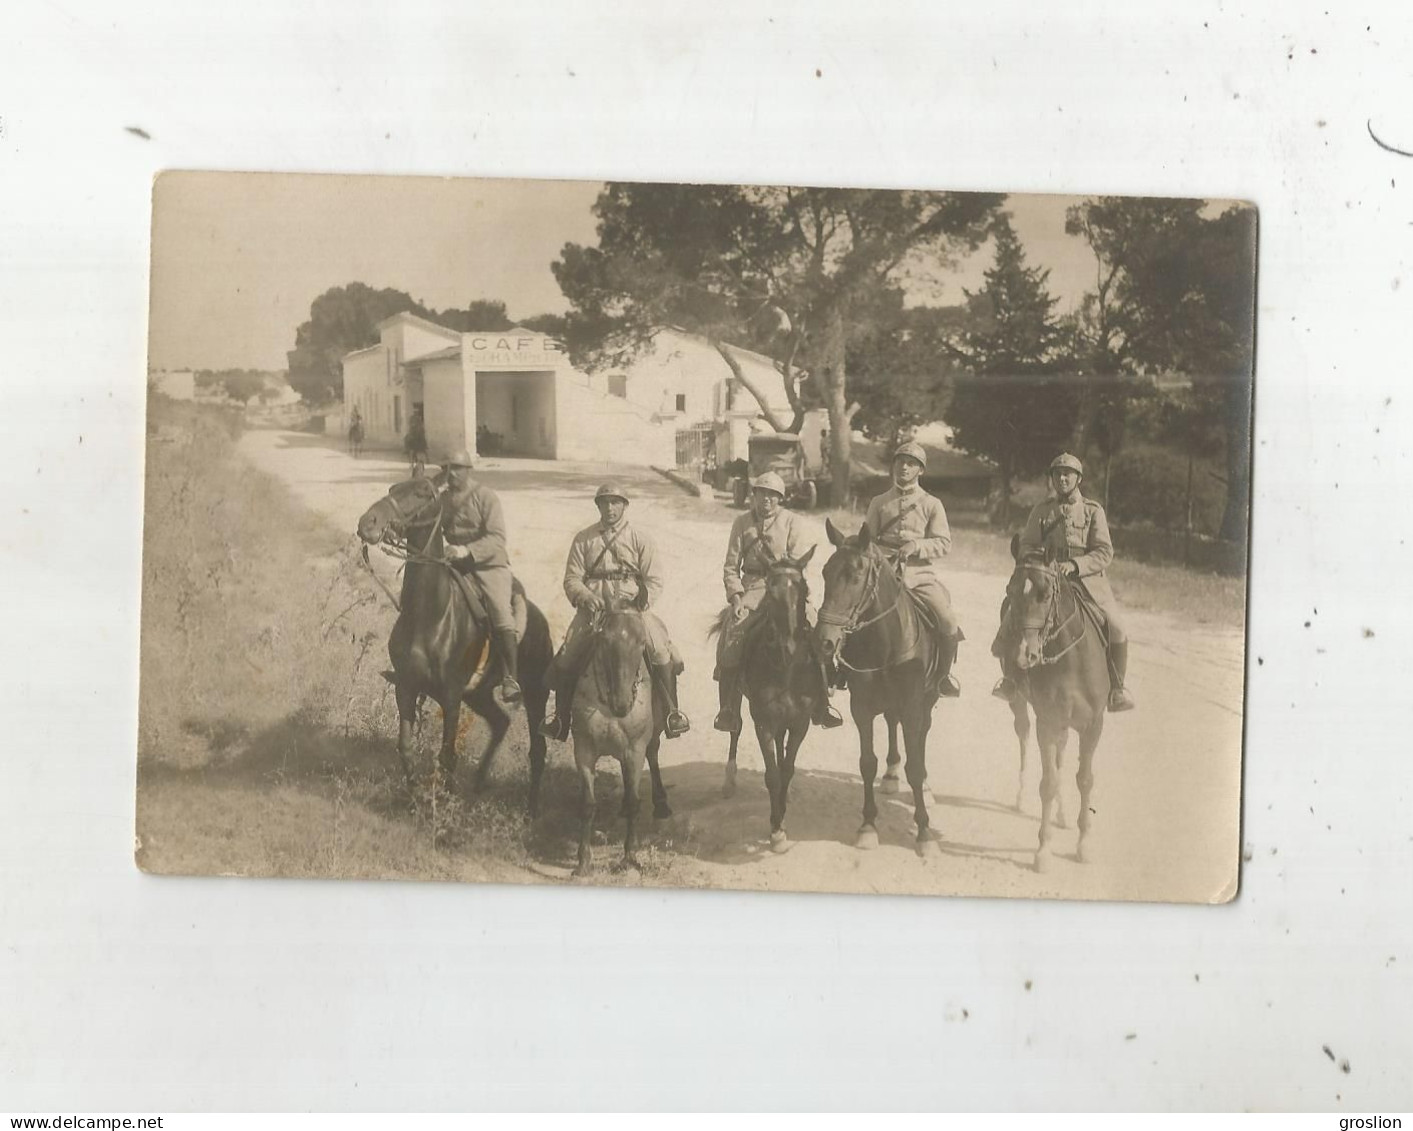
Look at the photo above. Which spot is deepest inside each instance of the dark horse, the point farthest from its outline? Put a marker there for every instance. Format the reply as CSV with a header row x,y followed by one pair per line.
x,y
869,626
440,648
355,439
780,676
617,713
1061,653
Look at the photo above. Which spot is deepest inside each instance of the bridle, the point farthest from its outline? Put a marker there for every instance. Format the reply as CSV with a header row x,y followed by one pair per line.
x,y
1051,617
596,627
851,624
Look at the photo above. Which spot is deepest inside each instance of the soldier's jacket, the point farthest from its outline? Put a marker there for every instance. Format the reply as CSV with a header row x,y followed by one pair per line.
x,y
612,563
754,545
472,517
897,517
1076,532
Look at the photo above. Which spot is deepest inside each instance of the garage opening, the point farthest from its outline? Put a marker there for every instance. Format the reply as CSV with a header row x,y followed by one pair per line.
x,y
515,414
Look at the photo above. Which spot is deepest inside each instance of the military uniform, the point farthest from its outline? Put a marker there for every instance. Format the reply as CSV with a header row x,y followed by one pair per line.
x,y
612,564
1072,529
1077,531
473,532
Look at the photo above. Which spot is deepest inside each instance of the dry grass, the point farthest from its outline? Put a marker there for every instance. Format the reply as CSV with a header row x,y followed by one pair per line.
x,y
266,731
1187,595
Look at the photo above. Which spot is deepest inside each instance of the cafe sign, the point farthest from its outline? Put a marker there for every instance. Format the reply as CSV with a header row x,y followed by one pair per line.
x,y
511,349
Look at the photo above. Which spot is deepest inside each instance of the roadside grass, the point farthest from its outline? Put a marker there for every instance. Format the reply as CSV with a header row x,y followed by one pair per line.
x,y
1186,595
267,735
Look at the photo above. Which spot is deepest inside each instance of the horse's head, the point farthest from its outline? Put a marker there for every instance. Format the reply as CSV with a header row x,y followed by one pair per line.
x,y
618,656
851,577
407,504
1034,597
786,592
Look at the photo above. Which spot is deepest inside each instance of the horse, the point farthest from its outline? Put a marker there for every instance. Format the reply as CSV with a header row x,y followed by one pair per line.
x,y
780,676
870,627
617,713
438,644
1062,656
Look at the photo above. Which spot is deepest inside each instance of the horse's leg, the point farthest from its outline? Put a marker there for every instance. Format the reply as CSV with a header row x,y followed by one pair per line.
x,y
499,722
587,806
868,769
1088,743
1021,718
407,718
728,785
791,747
1061,821
451,722
1048,736
769,755
536,697
889,784
915,768
632,775
661,809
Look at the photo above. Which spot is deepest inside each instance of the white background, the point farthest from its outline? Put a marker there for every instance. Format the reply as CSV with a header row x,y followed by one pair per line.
x,y
120,991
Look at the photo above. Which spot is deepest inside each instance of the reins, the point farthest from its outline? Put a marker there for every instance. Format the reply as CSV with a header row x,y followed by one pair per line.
x,y
1052,613
852,624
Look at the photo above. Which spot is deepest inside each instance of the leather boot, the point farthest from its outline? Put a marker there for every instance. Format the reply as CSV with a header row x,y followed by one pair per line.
x,y
562,680
677,723
824,713
947,685
729,694
1119,699
508,642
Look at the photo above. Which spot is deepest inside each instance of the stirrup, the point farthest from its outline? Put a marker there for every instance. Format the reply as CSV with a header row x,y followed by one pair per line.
x,y
1120,700
948,687
553,728
727,720
1005,689
510,691
676,724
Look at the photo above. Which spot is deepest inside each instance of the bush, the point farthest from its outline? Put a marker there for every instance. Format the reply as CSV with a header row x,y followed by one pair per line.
x,y
1148,484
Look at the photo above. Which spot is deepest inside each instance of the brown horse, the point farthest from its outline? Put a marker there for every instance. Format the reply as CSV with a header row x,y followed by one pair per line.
x,y
1066,678
869,626
617,713
439,645
780,675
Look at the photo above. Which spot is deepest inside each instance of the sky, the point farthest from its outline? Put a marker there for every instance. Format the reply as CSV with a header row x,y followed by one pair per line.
x,y
237,258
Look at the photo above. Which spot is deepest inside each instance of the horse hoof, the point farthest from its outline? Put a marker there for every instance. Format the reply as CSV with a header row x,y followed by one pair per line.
x,y
779,842
583,872
662,813
728,785
1081,854
928,848
1042,862
867,838
888,784
629,866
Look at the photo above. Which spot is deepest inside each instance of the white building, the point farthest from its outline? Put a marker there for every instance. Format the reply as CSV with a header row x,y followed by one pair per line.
x,y
517,392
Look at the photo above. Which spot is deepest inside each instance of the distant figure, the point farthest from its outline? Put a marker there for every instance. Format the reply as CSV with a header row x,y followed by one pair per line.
x,y
415,442
355,432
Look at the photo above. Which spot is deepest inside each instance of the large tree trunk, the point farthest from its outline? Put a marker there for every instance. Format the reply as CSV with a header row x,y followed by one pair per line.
x,y
751,387
1237,419
829,374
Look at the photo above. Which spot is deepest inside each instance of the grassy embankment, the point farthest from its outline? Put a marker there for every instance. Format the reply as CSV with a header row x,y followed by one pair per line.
x,y
266,733
1189,596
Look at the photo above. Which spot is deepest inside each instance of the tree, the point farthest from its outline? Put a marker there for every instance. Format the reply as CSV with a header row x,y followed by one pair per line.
x,y
903,370
1175,291
341,320
789,271
242,384
480,314
1010,405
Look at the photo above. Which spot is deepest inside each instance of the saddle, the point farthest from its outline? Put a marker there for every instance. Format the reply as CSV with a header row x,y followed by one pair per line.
x,y
476,599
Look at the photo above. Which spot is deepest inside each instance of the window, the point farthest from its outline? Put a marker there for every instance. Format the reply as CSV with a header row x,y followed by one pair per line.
x,y
617,385
681,402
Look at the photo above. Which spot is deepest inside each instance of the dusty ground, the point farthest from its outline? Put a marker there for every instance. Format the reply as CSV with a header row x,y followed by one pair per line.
x,y
1167,793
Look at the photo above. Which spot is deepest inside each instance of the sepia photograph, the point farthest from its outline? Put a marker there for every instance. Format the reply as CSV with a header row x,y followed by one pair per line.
x,y
713,536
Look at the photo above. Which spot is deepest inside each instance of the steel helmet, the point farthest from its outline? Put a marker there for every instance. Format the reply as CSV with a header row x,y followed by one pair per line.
x,y
913,450
769,482
610,491
1065,460
459,458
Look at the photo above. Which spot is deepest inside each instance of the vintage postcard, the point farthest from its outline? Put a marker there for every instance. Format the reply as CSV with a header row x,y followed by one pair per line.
x,y
748,537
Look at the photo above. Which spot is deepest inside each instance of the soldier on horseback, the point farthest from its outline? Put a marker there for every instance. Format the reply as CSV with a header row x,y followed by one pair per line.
x,y
1073,530
611,562
911,526
762,536
473,530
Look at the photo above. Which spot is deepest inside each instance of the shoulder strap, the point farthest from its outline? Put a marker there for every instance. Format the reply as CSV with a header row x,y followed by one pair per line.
x,y
608,542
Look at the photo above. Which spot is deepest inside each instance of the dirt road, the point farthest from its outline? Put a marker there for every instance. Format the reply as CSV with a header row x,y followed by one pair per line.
x,y
1166,798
